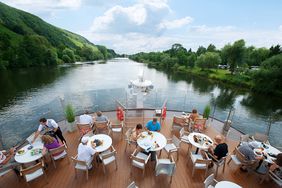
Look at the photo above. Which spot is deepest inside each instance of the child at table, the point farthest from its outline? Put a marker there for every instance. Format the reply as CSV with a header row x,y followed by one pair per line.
x,y
136,132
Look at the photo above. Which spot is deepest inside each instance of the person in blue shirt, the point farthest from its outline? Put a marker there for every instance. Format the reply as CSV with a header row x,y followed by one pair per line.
x,y
153,125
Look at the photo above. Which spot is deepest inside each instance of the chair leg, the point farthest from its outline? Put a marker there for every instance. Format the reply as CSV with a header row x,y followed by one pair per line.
x,y
86,174
75,173
223,166
125,146
104,169
216,171
53,161
229,160
170,179
193,171
116,164
160,153
144,172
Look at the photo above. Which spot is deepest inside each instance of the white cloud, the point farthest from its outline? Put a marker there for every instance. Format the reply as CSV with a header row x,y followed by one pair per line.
x,y
175,23
280,28
41,6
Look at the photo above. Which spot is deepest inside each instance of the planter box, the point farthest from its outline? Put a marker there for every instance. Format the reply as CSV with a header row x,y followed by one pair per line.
x,y
71,126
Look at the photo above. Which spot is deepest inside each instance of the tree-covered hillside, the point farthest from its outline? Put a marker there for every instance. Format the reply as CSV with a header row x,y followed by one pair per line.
x,y
26,40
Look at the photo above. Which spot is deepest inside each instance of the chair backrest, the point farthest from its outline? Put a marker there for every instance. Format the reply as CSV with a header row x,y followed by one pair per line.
x,y
75,161
209,181
241,157
58,150
83,127
32,169
179,120
175,141
260,137
128,134
101,126
200,121
112,152
245,138
275,178
132,185
165,167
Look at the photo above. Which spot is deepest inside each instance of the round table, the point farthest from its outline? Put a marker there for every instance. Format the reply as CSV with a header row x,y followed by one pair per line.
x,y
27,157
106,139
227,184
268,149
154,142
204,145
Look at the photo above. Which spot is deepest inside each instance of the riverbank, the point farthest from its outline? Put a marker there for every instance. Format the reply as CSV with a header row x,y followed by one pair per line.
x,y
240,81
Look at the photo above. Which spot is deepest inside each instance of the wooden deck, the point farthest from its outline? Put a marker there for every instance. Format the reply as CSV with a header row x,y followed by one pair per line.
x,y
63,176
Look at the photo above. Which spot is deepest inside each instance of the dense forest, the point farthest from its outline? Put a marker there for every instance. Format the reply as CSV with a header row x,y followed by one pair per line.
x,y
259,69
26,40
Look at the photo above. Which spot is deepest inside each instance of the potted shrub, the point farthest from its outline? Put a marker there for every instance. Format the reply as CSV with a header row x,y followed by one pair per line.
x,y
70,117
207,112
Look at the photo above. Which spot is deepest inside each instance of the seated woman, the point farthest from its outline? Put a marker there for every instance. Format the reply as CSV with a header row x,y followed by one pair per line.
x,y
136,132
194,115
49,143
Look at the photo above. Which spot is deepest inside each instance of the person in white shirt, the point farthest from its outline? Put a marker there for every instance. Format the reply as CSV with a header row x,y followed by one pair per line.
x,y
51,125
85,118
86,152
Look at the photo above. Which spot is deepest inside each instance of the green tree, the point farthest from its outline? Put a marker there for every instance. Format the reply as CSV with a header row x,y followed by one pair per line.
x,y
201,50
208,60
234,54
68,52
268,78
191,60
211,48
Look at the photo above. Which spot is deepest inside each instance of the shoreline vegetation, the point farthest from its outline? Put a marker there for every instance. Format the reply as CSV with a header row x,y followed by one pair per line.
x,y
28,41
247,68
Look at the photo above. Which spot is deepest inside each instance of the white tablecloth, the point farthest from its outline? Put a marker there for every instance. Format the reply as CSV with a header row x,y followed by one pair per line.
x,y
204,145
27,157
268,149
154,142
227,184
106,139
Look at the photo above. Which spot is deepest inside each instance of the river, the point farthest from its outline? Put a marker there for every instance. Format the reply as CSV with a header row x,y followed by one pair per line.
x,y
28,94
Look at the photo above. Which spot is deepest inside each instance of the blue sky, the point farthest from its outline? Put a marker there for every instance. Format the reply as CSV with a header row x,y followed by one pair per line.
x,y
132,26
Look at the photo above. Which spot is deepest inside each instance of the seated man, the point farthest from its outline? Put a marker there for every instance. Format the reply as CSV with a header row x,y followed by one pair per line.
x,y
85,118
276,167
220,150
86,152
247,149
153,125
136,132
7,161
100,117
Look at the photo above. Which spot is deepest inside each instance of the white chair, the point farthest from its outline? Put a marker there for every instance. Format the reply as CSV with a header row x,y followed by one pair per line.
x,y
165,166
172,146
260,137
237,157
132,185
128,139
218,163
108,157
275,178
117,128
178,123
102,127
245,138
84,129
210,182
58,153
139,160
80,165
184,136
33,172
199,162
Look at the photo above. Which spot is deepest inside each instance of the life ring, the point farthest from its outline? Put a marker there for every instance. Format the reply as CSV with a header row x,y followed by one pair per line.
x,y
120,116
164,112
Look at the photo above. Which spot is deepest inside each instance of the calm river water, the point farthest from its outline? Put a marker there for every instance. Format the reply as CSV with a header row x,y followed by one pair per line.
x,y
28,94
